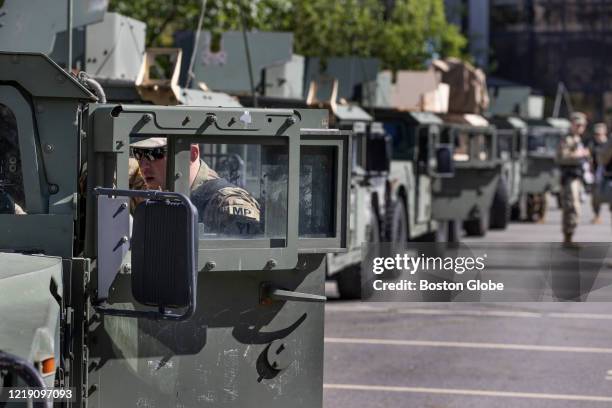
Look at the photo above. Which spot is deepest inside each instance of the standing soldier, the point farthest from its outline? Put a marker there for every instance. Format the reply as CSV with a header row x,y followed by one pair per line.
x,y
571,157
599,139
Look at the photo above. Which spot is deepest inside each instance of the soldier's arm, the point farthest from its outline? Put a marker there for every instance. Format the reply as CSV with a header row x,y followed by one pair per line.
x,y
234,212
567,156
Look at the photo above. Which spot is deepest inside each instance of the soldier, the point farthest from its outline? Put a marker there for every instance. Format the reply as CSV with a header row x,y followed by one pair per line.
x,y
223,208
571,157
599,139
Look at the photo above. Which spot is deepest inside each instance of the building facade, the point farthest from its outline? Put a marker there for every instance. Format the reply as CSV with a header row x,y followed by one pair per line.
x,y
541,43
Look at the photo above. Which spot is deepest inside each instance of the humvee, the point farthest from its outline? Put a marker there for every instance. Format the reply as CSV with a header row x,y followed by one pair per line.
x,y
512,152
542,176
419,159
369,168
468,195
152,307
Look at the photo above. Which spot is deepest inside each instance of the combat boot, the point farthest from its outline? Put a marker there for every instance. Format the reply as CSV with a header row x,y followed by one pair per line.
x,y
568,242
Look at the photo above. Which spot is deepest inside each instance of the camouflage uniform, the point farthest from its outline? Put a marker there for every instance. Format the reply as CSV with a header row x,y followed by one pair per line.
x,y
223,207
571,181
136,182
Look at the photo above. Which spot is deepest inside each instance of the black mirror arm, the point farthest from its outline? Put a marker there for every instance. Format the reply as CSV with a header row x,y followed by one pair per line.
x,y
150,194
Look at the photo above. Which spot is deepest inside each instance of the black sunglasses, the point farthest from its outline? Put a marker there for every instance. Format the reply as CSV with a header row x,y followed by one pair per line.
x,y
149,154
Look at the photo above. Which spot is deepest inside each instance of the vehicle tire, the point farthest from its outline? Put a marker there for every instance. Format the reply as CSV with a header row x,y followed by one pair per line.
x,y
350,280
515,212
500,208
450,231
397,226
477,227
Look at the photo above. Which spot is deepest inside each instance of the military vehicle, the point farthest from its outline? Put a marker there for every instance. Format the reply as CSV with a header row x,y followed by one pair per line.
x,y
468,195
153,308
369,188
512,152
541,177
284,80
419,159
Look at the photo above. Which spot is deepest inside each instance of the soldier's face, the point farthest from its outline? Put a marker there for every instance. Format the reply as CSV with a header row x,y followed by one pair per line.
x,y
154,172
578,128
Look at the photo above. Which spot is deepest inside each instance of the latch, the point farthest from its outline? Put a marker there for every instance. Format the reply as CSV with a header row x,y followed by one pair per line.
x,y
269,294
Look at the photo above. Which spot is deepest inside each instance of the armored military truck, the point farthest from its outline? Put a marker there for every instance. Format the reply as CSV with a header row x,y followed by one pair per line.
x,y
157,306
541,177
419,158
512,152
369,168
468,195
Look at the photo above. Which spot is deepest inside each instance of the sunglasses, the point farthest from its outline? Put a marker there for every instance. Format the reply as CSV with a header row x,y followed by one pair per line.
x,y
149,154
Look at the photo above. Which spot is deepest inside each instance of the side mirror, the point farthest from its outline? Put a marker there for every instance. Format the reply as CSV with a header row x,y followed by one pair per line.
x,y
445,167
163,254
163,248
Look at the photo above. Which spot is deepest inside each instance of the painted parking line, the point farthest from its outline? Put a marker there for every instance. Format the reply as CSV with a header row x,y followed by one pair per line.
x,y
475,313
465,392
471,345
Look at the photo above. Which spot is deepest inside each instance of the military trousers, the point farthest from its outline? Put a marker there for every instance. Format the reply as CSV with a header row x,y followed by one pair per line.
x,y
570,204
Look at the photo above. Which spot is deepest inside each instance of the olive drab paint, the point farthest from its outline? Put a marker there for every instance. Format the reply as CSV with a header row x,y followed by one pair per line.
x,y
257,333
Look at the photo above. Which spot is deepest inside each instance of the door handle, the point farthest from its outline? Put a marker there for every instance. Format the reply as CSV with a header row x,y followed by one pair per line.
x,y
269,294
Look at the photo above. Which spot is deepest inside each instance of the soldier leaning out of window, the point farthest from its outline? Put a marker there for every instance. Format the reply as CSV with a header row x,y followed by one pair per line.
x,y
223,208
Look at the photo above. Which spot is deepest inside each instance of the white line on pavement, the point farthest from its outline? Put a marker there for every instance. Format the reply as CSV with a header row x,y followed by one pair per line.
x,y
473,345
476,393
488,313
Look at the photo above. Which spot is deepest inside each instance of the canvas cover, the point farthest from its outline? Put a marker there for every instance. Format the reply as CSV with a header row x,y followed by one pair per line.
x,y
468,85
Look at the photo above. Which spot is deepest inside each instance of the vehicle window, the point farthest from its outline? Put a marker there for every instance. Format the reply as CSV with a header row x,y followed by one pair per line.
x,y
423,155
404,142
542,141
481,147
462,147
240,191
504,144
12,195
317,191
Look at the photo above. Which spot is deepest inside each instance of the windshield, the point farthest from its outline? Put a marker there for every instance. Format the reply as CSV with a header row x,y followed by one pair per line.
x,y
543,140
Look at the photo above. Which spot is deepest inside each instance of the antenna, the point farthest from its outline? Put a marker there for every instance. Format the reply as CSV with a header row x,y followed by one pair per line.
x,y
190,73
248,55
562,95
69,37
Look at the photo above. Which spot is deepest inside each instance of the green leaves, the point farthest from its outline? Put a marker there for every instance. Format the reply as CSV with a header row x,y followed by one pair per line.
x,y
411,34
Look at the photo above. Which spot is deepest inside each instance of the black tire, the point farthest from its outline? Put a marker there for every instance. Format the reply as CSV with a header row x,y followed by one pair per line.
x,y
500,208
397,227
449,231
477,227
350,279
349,283
515,212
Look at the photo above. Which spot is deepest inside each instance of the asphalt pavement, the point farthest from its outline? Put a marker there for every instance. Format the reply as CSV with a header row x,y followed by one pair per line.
x,y
443,355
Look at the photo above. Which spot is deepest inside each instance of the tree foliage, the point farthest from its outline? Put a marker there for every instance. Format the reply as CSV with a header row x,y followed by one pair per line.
x,y
413,32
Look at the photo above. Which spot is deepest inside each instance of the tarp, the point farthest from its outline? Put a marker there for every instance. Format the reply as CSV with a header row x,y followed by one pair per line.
x,y
468,85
